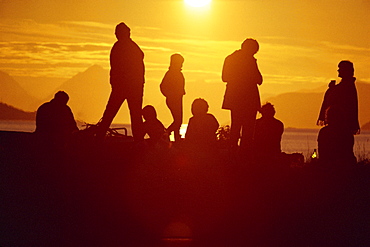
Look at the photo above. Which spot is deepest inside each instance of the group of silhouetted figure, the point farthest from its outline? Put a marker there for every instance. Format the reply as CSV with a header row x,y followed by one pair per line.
x,y
248,135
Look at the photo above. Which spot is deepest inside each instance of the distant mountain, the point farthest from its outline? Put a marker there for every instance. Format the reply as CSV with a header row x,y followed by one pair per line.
x,y
301,109
363,90
13,94
11,113
366,126
88,92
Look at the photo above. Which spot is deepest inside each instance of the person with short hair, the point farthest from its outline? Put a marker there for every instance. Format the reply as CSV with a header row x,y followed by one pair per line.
x,y
339,116
267,135
240,72
127,82
152,125
55,122
202,126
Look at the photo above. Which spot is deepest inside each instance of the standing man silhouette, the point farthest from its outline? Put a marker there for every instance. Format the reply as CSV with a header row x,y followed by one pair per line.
x,y
242,98
339,115
127,82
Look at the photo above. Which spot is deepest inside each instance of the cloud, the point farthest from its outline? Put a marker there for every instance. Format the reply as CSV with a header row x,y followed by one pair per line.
x,y
65,48
27,30
21,58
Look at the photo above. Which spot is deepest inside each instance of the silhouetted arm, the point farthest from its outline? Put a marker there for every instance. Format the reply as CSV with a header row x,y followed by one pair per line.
x,y
227,70
71,125
355,126
321,121
41,119
189,135
215,123
257,77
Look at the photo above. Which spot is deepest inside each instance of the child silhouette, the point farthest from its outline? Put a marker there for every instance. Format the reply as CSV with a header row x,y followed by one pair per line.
x,y
202,127
172,87
152,126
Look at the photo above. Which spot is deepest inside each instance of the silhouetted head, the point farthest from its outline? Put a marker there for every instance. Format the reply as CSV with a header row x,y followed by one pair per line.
x,y
346,69
250,46
268,110
199,107
176,60
122,31
149,112
61,97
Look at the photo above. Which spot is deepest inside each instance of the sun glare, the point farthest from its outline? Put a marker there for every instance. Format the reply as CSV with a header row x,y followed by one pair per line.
x,y
198,3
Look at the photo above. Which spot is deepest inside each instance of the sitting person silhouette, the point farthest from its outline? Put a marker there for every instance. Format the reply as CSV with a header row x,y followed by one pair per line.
x,y
202,127
172,87
55,121
267,136
152,126
334,145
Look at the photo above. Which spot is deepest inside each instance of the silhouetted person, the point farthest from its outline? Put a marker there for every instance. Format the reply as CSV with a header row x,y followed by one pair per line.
x,y
152,126
127,82
335,145
339,115
173,88
267,136
55,122
202,127
242,75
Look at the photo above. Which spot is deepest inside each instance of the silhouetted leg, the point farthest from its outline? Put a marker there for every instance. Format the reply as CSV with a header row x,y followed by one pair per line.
x,y
175,106
135,102
236,125
347,153
115,101
326,145
248,125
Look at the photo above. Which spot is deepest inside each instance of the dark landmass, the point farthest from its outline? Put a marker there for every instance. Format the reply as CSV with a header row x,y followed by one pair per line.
x,y
294,109
13,94
121,194
302,108
8,112
366,126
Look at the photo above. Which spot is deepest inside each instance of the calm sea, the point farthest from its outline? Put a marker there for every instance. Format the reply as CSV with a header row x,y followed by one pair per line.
x,y
294,140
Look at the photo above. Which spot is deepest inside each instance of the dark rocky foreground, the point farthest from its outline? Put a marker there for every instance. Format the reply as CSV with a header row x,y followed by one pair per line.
x,y
119,194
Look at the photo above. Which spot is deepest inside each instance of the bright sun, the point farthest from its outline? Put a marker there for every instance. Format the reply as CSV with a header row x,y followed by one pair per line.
x,y
197,3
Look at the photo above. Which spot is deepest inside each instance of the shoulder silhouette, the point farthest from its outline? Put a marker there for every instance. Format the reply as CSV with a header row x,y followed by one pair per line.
x,y
55,122
152,126
55,117
268,133
202,126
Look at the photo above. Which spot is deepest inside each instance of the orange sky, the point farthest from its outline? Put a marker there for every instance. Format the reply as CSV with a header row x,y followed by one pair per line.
x,y
301,42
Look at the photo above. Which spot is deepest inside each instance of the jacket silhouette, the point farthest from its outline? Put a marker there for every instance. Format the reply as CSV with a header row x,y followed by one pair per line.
x,y
127,82
241,73
173,88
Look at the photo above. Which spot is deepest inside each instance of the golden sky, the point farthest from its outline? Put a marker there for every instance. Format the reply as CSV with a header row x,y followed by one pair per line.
x,y
301,42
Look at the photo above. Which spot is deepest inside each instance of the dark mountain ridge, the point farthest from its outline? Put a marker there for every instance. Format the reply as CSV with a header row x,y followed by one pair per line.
x,y
90,89
8,112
